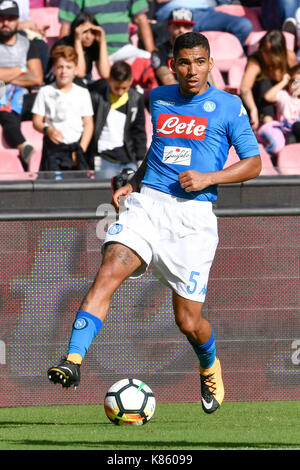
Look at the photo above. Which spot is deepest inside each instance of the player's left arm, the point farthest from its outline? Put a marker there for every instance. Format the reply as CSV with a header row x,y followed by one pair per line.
x,y
241,136
243,170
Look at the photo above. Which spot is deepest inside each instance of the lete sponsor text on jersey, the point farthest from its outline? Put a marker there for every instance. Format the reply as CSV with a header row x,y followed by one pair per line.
x,y
185,127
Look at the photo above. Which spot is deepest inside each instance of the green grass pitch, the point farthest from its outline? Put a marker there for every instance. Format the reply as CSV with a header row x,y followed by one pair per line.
x,y
180,426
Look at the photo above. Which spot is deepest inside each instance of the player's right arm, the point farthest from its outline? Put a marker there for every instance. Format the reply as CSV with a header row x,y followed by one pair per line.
x,y
133,185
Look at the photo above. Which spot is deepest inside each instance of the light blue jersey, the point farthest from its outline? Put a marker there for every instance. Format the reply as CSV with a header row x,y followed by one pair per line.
x,y
194,133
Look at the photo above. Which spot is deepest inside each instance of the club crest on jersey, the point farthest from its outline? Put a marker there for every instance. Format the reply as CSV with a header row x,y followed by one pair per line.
x,y
184,127
209,106
115,229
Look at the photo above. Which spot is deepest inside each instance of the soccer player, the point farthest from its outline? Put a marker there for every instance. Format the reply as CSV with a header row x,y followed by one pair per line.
x,y
168,218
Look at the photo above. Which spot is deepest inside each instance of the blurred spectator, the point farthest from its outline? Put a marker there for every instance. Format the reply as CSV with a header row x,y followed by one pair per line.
x,y
20,68
206,17
88,40
286,129
34,32
180,22
292,25
63,112
115,18
265,68
120,137
273,12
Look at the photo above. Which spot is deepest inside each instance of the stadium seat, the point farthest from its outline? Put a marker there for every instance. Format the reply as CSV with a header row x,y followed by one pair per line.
x,y
10,165
266,162
47,16
218,78
232,157
228,55
267,165
35,138
148,127
9,157
288,160
252,13
219,82
253,39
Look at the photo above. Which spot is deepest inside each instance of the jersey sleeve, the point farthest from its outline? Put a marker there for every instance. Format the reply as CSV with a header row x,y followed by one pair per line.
x,y
239,131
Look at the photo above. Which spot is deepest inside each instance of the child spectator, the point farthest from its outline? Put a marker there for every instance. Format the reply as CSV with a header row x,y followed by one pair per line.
x,y
264,69
120,137
63,113
286,96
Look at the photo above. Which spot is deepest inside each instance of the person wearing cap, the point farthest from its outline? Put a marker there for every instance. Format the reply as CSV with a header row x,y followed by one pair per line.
x,y
20,68
206,17
180,22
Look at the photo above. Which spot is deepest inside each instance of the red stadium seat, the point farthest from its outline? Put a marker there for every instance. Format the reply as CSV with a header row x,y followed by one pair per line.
x,y
10,165
228,54
267,165
253,39
148,127
288,160
35,138
232,157
47,16
252,13
266,162
9,160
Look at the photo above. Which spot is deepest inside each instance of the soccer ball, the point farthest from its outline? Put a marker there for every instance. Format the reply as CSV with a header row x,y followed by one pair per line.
x,y
129,401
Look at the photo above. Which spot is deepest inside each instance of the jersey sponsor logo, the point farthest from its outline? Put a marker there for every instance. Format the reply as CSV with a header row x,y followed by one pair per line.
x,y
177,155
184,127
168,103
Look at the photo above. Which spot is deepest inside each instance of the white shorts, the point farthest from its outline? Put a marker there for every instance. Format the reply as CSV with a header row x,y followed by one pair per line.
x,y
179,236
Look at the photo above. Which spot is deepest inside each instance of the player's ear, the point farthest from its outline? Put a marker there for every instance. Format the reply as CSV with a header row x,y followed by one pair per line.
x,y
172,65
211,64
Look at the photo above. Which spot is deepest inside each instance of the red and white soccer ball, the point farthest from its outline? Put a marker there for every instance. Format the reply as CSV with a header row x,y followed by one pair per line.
x,y
129,401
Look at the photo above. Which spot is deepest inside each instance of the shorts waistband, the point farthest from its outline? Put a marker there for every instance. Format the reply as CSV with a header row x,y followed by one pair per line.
x,y
168,198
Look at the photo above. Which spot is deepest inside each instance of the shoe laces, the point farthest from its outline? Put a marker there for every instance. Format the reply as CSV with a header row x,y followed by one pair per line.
x,y
210,382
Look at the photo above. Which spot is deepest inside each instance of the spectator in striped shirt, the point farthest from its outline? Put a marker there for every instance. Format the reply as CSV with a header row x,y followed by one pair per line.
x,y
114,18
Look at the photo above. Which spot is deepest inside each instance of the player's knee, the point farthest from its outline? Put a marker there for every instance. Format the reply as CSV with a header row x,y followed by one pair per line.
x,y
187,325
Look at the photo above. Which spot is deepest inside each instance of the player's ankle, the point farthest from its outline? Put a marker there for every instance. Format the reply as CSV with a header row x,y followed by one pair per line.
x,y
75,358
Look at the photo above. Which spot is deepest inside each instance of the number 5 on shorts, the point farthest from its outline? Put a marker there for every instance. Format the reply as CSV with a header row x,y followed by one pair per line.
x,y
192,288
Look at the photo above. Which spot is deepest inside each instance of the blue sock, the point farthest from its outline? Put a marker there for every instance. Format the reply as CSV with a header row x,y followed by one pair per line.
x,y
85,328
206,352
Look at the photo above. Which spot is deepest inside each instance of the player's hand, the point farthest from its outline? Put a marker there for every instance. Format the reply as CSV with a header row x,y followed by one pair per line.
x,y
120,193
192,180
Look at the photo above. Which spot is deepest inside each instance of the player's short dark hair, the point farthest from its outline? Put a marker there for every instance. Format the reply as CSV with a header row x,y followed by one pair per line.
x,y
121,71
190,40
